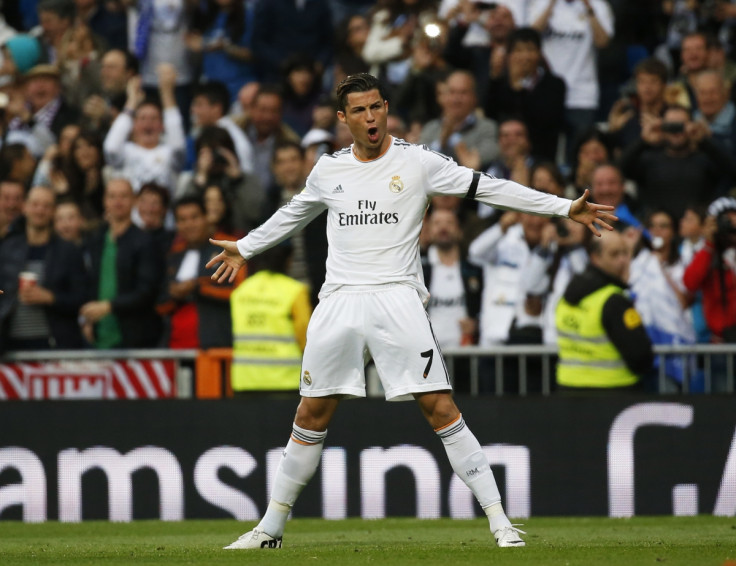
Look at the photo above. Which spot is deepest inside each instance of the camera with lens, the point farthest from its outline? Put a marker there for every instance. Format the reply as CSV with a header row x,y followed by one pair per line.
x,y
673,127
485,4
219,158
725,226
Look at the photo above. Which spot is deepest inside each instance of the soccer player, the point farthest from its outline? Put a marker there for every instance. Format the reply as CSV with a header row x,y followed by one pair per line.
x,y
376,192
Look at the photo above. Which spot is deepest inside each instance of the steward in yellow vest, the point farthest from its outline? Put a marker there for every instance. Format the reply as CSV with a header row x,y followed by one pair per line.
x,y
270,312
602,341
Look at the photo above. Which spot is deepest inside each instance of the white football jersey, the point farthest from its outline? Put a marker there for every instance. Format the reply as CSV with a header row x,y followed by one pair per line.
x,y
375,211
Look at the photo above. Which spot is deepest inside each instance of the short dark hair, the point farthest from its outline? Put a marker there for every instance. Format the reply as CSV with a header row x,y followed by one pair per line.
x,y
190,200
700,210
131,61
524,35
652,66
274,259
216,93
695,33
150,100
68,199
214,137
552,169
158,190
287,144
271,89
65,9
360,82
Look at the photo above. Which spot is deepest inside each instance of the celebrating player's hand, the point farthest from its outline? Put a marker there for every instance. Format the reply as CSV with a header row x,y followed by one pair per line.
x,y
590,214
229,259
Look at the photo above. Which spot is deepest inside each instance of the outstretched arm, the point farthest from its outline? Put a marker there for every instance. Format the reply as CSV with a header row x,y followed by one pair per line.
x,y
590,214
286,221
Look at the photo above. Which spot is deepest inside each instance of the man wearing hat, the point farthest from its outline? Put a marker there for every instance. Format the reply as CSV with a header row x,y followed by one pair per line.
x,y
20,53
45,112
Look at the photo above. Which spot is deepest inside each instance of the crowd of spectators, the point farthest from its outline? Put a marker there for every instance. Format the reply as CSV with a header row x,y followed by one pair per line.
x,y
131,131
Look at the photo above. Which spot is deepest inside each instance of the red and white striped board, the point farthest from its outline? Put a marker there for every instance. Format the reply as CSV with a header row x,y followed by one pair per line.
x,y
92,379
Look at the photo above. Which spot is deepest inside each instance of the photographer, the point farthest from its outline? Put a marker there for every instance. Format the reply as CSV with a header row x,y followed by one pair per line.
x,y
478,35
713,269
676,162
648,98
217,164
388,45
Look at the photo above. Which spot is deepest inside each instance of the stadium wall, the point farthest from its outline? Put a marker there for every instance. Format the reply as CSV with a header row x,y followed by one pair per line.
x,y
172,460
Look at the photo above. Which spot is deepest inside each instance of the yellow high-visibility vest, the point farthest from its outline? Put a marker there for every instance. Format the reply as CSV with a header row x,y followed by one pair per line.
x,y
587,356
266,354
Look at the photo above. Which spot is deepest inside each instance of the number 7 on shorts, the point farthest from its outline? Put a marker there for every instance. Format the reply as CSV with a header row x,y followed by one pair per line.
x,y
428,354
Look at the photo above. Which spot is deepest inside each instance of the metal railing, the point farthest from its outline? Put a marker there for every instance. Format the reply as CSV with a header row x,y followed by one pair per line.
x,y
718,377
494,357
58,355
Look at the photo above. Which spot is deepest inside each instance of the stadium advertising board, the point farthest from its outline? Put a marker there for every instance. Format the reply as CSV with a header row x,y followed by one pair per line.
x,y
91,379
125,460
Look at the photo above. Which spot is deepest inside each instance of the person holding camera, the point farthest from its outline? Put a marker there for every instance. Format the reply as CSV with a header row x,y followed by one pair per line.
x,y
217,164
478,37
624,119
716,109
713,270
676,162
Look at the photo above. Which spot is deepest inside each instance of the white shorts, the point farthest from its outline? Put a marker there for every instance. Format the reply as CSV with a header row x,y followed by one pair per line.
x,y
385,322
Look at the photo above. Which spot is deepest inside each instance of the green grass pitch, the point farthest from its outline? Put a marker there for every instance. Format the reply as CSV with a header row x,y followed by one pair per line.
x,y
656,541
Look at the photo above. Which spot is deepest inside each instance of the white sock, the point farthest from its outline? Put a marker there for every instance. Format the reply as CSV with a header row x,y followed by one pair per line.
x,y
496,517
470,464
298,464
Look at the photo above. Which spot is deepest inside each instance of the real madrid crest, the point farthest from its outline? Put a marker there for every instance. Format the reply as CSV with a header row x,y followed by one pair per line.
x,y
396,185
307,378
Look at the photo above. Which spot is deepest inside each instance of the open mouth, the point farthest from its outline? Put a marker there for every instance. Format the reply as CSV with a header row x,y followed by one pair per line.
x,y
373,134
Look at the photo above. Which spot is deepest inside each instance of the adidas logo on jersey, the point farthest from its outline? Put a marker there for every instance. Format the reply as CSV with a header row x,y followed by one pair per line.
x,y
337,189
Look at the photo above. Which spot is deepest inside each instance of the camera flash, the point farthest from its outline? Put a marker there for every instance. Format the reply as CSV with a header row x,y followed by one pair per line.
x,y
432,30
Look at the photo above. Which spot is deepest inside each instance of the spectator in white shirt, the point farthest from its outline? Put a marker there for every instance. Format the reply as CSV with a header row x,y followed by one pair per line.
x,y
503,250
572,32
136,145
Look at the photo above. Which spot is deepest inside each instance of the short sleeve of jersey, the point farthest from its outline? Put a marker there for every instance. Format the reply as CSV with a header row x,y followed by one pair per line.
x,y
604,14
444,175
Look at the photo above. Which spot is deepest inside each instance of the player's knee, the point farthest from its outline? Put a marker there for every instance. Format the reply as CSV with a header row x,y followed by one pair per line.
x,y
312,416
440,409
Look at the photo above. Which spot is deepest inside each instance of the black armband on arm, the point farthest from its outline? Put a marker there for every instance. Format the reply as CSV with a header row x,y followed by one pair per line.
x,y
473,186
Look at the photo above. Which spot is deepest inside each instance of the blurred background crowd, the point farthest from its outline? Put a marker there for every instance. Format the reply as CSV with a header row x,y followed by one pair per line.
x,y
132,131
